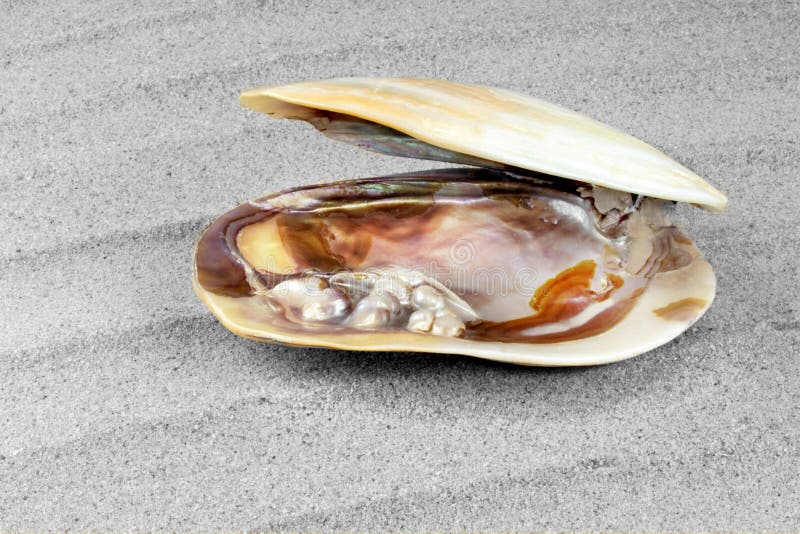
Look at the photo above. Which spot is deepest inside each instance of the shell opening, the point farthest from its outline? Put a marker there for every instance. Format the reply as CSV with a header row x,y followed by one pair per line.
x,y
460,254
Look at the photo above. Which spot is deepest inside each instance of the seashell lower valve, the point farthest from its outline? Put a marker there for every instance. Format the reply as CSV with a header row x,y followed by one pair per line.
x,y
502,262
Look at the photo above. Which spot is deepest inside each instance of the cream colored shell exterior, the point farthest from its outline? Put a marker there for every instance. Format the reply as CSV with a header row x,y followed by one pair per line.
x,y
497,125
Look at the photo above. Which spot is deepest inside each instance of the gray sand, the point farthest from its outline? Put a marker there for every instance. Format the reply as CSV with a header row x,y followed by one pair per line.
x,y
126,405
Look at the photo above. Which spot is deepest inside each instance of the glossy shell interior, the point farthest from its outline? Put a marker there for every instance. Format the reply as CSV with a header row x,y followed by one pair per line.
x,y
487,127
538,277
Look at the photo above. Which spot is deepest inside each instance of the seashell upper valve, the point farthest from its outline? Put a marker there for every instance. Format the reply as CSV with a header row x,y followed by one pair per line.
x,y
553,247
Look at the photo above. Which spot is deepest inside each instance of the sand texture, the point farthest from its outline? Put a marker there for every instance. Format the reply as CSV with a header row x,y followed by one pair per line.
x,y
125,405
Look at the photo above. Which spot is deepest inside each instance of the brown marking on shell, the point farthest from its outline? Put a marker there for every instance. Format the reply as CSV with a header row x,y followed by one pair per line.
x,y
560,298
666,253
598,324
680,237
683,310
307,238
218,269
352,245
260,244
385,221
304,236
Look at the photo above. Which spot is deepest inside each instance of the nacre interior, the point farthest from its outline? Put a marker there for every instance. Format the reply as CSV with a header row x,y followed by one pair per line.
x,y
473,254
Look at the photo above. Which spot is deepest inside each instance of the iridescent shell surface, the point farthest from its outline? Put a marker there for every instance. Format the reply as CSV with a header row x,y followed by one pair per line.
x,y
542,282
559,251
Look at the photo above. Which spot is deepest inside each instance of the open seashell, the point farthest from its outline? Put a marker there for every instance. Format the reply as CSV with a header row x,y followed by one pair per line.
x,y
556,250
